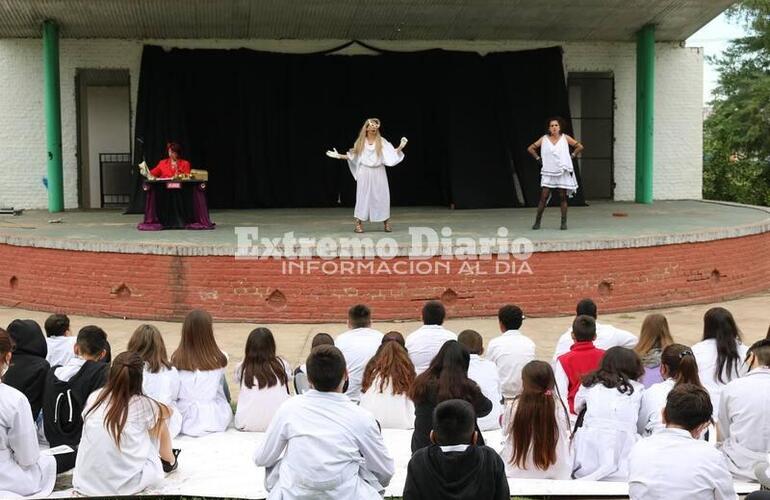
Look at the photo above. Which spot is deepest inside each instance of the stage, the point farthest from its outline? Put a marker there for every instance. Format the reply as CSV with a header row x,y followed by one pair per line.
x,y
625,256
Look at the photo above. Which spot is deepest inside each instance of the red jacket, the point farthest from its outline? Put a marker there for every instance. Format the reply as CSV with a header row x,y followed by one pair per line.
x,y
581,359
164,169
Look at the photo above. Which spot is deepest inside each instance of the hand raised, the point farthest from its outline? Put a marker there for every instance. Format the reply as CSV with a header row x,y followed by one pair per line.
x,y
332,153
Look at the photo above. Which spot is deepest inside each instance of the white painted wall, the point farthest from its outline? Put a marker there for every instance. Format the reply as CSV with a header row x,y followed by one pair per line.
x,y
678,96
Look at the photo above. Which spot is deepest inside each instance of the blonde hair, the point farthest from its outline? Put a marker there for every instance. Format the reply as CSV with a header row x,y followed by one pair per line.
x,y
655,334
358,147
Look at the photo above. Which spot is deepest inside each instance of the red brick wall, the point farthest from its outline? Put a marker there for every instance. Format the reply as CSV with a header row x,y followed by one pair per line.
x,y
166,287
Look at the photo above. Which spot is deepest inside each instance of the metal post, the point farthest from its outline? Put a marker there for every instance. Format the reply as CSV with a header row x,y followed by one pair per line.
x,y
645,112
52,106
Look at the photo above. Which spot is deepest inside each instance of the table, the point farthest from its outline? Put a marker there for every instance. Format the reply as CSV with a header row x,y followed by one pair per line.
x,y
175,204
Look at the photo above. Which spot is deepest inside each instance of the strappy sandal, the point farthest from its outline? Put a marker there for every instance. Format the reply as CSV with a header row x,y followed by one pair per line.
x,y
359,227
388,227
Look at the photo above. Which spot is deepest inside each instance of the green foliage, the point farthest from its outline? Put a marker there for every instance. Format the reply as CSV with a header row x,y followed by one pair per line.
x,y
736,139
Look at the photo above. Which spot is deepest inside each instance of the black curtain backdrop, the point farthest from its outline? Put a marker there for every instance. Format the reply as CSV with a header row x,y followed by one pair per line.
x,y
260,122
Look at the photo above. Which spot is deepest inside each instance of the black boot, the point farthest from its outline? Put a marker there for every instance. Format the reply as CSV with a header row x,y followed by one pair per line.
x,y
539,216
563,222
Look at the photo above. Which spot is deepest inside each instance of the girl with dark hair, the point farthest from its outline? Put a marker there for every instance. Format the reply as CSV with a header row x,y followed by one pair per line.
x,y
610,397
201,365
677,366
264,381
385,386
721,353
445,378
160,380
536,427
23,470
557,171
125,446
654,337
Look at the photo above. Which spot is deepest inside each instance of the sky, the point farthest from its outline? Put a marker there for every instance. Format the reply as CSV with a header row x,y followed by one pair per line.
x,y
714,38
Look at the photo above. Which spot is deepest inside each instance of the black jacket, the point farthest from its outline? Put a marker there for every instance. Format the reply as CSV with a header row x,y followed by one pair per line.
x,y
28,366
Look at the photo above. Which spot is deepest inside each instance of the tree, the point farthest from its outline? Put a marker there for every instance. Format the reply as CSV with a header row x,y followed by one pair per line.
x,y
737,133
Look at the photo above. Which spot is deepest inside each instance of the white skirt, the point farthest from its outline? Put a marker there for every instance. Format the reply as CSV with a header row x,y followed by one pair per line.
x,y
559,181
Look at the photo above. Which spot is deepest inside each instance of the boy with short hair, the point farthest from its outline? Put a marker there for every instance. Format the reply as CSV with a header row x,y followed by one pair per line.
x,y
359,344
301,385
582,359
511,350
59,338
454,467
484,373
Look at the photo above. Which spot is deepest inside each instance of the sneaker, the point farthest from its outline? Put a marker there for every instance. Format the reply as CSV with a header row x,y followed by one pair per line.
x,y
167,467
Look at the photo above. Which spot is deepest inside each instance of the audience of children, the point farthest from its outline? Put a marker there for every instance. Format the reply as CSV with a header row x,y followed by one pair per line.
x,y
385,386
536,427
583,357
264,381
674,464
321,444
61,342
301,385
606,335
424,343
654,337
455,466
511,350
484,373
358,345
29,367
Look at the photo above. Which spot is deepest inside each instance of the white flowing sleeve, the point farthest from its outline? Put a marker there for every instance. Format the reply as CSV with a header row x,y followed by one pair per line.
x,y
390,157
353,164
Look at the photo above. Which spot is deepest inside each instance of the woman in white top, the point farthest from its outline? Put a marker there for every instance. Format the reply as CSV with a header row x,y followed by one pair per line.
x,y
557,171
125,439
721,353
677,366
23,470
536,428
611,397
160,380
201,365
264,380
367,160
386,382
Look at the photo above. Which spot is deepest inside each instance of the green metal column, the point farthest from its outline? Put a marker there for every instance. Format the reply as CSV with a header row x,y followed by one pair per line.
x,y
645,111
52,107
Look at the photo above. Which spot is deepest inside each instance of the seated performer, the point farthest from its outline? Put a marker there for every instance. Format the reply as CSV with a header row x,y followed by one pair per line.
x,y
172,166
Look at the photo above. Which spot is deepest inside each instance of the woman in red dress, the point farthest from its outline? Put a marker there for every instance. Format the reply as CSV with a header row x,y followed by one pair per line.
x,y
173,165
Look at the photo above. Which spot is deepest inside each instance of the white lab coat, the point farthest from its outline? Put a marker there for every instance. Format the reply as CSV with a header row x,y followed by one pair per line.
x,y
744,422
510,352
608,433
163,387
424,343
705,353
392,411
651,410
23,470
672,465
372,190
358,346
321,445
607,336
484,373
202,402
101,468
60,350
256,406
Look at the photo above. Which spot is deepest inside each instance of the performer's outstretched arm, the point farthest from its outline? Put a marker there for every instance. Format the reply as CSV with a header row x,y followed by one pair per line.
x,y
401,146
332,153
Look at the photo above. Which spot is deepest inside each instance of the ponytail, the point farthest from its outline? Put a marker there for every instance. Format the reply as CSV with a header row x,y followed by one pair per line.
x,y
681,364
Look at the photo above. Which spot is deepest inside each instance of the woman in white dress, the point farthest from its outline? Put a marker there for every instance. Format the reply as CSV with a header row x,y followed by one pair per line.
x,y
536,427
385,385
611,397
125,446
367,160
557,171
201,366
23,470
264,380
160,380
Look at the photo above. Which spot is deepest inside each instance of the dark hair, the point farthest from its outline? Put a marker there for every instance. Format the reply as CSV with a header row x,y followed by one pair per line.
x,y
198,350
359,316
148,343
447,374
510,316
761,350
394,336
586,307
392,364
325,368
471,340
92,340
433,313
559,120
6,345
57,325
534,426
260,361
454,422
718,324
681,365
688,406
174,146
619,366
584,328
321,339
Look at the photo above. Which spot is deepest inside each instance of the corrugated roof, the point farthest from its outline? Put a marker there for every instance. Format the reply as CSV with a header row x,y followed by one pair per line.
x,y
579,20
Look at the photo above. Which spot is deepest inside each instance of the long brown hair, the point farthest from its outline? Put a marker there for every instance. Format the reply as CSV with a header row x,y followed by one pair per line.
x,y
447,375
680,364
654,334
148,343
198,349
6,346
260,361
358,147
534,426
391,363
124,382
